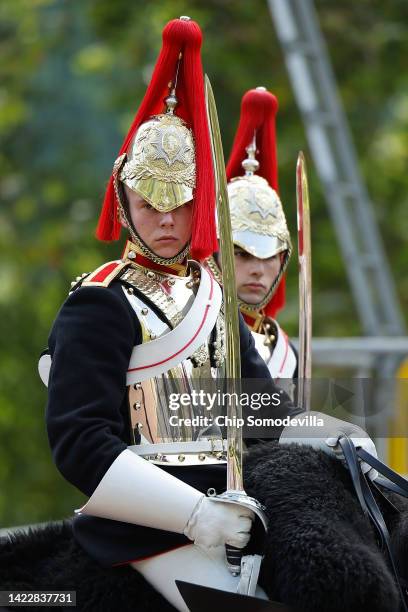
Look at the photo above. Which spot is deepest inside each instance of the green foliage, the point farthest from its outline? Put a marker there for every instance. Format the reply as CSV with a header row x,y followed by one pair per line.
x,y
72,75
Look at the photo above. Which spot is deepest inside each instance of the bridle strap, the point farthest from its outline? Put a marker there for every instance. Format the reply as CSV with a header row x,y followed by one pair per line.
x,y
392,480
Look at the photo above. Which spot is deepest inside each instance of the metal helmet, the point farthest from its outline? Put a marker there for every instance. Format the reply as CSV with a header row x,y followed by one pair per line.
x,y
166,158
258,221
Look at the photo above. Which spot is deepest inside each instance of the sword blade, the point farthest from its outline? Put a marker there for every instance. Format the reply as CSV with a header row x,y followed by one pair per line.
x,y
233,356
305,284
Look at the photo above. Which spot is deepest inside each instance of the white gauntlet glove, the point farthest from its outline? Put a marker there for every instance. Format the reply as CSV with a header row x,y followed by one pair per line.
x,y
215,523
326,438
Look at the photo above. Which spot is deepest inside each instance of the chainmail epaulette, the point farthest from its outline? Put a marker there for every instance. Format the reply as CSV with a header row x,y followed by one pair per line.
x,y
101,277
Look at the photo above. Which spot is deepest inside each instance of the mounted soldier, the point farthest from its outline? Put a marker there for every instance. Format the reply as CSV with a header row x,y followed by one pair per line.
x,y
141,328
260,233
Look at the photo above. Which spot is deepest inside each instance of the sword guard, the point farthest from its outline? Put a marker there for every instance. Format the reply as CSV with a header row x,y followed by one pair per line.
x,y
242,499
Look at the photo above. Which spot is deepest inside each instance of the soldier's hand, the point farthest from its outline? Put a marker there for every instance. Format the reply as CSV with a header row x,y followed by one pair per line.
x,y
326,438
214,523
360,439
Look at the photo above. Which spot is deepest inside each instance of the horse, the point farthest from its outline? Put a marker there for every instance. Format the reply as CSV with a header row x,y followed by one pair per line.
x,y
321,551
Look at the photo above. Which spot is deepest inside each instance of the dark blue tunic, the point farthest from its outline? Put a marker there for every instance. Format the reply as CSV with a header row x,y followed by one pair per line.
x,y
88,417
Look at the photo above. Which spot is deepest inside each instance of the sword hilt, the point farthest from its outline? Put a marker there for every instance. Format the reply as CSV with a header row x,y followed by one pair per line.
x,y
234,555
234,558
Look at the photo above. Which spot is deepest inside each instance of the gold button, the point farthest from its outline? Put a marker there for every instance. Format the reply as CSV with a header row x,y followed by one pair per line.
x,y
201,457
130,290
137,405
145,311
171,281
137,386
153,336
181,458
151,275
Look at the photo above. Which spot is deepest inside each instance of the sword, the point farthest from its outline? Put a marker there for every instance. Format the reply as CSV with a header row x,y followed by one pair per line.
x,y
235,492
233,355
305,284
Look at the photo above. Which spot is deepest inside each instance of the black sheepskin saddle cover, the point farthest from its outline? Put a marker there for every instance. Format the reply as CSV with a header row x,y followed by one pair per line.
x,y
321,552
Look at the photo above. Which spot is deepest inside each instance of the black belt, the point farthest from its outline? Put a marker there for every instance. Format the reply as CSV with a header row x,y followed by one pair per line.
x,y
392,481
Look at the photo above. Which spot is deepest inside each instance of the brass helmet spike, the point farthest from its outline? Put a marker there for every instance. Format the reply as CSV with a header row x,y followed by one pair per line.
x,y
251,164
171,101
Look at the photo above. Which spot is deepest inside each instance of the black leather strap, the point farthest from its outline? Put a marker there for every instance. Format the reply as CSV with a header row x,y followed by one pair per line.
x,y
369,504
397,483
387,484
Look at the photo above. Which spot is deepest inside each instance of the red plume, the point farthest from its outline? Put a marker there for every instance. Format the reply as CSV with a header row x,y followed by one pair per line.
x,y
277,301
258,113
182,36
